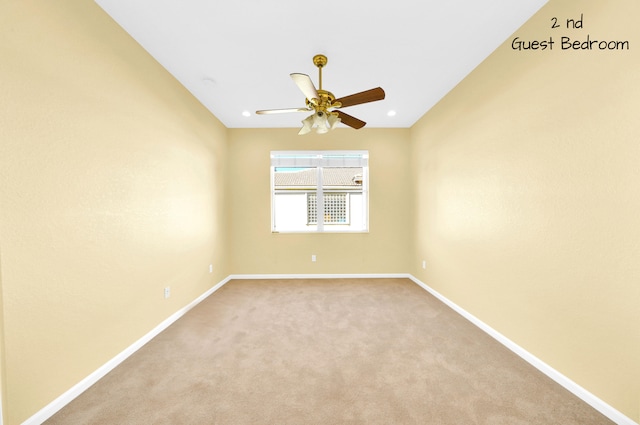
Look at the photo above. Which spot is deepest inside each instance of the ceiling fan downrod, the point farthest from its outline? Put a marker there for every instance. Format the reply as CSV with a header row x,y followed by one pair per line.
x,y
320,61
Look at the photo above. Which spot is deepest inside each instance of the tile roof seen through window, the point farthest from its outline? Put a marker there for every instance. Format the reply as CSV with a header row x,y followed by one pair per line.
x,y
331,176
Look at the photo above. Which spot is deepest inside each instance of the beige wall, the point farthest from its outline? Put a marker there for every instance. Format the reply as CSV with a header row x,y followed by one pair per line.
x,y
111,188
527,183
254,249
3,387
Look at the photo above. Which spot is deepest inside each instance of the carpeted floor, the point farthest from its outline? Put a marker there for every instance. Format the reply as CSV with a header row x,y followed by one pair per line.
x,y
325,351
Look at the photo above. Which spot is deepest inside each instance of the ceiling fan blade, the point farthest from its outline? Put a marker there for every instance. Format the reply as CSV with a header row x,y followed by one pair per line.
x,y
362,97
304,83
282,111
352,122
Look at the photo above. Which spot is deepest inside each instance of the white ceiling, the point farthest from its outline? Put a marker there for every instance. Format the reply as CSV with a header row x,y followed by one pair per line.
x,y
236,55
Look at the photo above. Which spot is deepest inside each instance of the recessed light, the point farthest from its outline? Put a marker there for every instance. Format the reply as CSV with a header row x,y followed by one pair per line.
x,y
209,81
246,113
391,113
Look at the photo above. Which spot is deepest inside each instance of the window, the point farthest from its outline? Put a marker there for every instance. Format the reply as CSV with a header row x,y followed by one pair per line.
x,y
319,191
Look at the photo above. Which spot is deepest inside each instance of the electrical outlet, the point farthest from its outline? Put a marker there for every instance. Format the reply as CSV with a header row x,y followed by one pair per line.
x,y
167,292
424,264
210,268
313,258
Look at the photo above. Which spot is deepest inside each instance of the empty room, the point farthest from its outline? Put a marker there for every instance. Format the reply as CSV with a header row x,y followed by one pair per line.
x,y
294,213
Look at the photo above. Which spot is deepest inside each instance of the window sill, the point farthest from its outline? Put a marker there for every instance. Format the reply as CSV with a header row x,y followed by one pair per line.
x,y
303,232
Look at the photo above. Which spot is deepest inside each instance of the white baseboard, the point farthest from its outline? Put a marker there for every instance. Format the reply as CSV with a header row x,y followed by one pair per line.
x,y
57,404
322,276
595,402
598,404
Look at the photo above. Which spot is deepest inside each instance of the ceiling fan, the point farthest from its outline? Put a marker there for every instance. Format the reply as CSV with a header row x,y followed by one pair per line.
x,y
325,107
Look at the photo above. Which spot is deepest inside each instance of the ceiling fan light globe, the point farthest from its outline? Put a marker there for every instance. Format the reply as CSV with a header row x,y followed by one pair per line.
x,y
333,121
304,130
320,120
307,125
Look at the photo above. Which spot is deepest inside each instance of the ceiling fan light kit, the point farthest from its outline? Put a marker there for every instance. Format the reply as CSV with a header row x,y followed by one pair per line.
x,y
324,104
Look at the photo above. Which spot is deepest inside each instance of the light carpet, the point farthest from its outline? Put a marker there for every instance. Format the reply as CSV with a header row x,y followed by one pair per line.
x,y
325,351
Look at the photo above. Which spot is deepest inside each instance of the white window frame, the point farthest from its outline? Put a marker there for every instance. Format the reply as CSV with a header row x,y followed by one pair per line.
x,y
320,160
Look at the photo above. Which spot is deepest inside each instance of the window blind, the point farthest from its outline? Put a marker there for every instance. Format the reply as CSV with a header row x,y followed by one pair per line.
x,y
301,159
